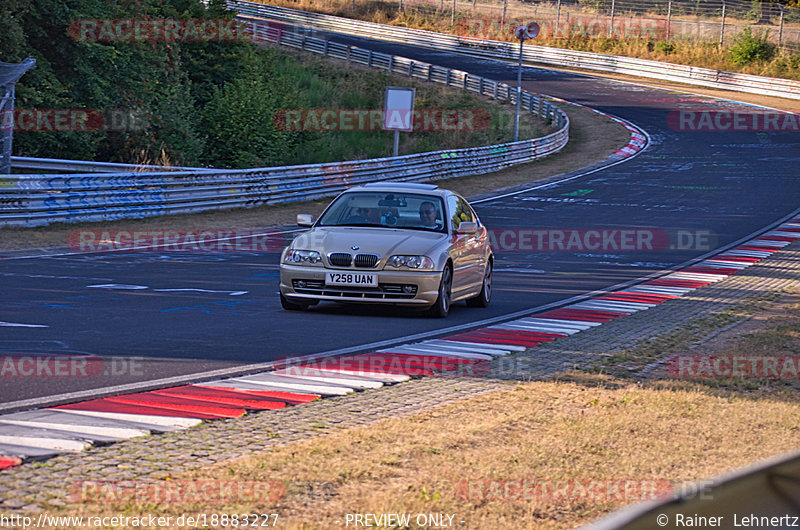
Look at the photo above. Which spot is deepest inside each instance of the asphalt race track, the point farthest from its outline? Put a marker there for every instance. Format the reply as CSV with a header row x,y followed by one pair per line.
x,y
151,315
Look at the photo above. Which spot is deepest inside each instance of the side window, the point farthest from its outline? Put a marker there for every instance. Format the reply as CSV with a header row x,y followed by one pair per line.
x,y
459,211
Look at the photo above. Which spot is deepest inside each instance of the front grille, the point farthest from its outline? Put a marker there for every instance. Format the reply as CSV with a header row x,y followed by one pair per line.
x,y
340,259
384,291
366,260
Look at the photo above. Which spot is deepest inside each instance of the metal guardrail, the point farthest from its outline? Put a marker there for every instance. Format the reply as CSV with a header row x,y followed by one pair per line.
x,y
62,164
31,200
533,54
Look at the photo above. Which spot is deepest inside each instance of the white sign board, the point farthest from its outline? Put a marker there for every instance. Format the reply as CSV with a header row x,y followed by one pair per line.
x,y
398,109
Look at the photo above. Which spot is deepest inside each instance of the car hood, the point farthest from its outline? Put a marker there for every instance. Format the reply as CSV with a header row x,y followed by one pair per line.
x,y
381,241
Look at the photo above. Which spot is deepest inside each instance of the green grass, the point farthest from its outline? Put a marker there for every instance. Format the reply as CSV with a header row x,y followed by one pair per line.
x,y
323,85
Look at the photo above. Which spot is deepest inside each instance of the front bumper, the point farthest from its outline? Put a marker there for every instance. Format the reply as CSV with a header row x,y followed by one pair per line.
x,y
394,287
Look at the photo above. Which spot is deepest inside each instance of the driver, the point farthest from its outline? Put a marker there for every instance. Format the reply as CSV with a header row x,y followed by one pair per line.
x,y
427,215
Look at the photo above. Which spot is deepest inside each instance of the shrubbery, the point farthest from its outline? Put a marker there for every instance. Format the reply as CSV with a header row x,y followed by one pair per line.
x,y
200,103
748,47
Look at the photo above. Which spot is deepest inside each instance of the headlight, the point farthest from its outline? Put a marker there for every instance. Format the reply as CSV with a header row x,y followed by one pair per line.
x,y
410,262
302,256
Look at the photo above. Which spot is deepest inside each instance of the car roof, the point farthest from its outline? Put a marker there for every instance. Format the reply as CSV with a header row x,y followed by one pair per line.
x,y
401,187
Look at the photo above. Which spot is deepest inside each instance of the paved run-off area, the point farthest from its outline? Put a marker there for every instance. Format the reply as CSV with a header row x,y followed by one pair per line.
x,y
38,486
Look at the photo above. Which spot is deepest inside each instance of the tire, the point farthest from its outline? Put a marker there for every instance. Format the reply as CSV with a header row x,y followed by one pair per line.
x,y
485,296
441,307
292,306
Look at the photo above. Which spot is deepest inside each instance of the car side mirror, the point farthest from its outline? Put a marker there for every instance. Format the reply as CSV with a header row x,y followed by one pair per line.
x,y
467,227
305,220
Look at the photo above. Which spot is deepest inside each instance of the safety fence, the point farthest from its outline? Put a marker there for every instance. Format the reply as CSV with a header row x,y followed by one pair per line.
x,y
78,166
533,54
706,20
35,199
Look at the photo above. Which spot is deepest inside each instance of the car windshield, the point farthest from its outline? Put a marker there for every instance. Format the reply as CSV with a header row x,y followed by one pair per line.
x,y
386,209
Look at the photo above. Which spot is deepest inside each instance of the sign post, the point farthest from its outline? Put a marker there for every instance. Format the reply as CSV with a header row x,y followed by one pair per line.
x,y
522,32
398,112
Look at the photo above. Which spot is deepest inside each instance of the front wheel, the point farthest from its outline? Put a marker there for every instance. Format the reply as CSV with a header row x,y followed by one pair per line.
x,y
441,307
485,296
292,306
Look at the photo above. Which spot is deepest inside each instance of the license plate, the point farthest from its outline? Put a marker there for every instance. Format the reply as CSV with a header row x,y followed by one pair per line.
x,y
351,279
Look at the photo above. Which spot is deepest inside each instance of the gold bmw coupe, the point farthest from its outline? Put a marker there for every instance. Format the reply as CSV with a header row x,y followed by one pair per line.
x,y
390,243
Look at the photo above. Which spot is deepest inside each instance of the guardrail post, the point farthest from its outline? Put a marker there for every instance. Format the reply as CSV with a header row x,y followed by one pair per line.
x,y
347,55
466,80
447,77
391,62
430,69
494,91
480,86
369,59
411,69
325,48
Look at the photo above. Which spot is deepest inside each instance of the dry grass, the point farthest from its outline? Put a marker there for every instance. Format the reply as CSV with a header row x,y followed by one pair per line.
x,y
578,427
484,21
582,427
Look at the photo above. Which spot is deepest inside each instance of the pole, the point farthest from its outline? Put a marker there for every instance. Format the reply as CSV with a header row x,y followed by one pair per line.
x,y
558,18
519,92
611,25
780,30
669,18
505,6
722,26
7,129
453,15
396,142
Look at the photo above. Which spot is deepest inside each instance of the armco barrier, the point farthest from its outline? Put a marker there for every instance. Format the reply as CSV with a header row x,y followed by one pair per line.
x,y
32,200
61,164
535,54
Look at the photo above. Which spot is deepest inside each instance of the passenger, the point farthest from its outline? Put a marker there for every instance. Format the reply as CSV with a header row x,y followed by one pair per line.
x,y
364,216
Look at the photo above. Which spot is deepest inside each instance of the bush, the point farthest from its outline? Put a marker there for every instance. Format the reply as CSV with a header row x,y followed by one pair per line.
x,y
748,47
664,46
